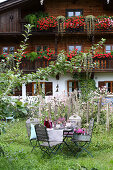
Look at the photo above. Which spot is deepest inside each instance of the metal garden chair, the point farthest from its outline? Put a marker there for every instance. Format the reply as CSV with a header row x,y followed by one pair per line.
x,y
82,142
48,147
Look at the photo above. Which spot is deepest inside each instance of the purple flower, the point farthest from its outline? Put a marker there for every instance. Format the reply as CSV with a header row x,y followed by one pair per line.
x,y
80,131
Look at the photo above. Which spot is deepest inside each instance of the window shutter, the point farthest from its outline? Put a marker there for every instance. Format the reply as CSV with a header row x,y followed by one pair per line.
x,y
48,88
101,83
29,89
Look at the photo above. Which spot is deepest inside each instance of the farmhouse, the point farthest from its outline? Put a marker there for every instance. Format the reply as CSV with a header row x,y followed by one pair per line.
x,y
59,25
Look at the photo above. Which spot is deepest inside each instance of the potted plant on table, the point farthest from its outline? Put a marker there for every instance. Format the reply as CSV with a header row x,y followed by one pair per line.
x,y
81,135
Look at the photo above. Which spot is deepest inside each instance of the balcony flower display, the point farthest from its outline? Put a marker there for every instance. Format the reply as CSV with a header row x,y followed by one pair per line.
x,y
104,55
46,23
71,54
46,54
76,22
104,23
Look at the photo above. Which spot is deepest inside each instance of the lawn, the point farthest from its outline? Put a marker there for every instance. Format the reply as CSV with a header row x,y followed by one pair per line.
x,y
18,154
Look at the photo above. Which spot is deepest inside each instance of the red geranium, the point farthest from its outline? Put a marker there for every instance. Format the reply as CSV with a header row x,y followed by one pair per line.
x,y
104,23
106,55
74,22
46,23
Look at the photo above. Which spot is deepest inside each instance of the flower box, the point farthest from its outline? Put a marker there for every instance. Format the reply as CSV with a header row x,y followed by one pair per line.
x,y
81,137
51,29
72,30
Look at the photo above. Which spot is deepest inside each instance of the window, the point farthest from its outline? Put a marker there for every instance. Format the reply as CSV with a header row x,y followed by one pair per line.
x,y
39,47
108,48
72,47
8,50
74,12
108,84
71,85
43,87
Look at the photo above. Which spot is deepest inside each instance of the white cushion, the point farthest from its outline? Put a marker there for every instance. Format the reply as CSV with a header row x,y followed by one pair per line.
x,y
33,133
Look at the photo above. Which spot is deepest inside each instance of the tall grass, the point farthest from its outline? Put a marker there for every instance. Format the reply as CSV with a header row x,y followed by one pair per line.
x,y
18,156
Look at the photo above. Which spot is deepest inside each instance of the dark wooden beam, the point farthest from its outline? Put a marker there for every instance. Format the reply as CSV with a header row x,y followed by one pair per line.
x,y
11,3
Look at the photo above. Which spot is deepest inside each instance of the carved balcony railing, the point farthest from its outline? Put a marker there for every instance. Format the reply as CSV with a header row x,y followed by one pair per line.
x,y
17,26
74,25
103,65
31,66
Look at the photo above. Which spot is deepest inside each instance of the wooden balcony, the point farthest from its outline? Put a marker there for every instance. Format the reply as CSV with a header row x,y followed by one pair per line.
x,y
31,66
17,27
103,65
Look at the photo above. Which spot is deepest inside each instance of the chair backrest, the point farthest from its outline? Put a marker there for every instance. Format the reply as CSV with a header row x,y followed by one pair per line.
x,y
41,132
91,124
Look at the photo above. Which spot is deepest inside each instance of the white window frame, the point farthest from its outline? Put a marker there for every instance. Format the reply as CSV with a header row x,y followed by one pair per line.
x,y
110,48
75,47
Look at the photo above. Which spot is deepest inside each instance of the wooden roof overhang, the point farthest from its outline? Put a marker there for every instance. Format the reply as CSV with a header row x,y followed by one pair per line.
x,y
6,5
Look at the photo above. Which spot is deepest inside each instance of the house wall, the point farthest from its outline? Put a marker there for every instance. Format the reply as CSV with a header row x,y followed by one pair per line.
x,y
62,83
9,21
103,77
57,8
90,7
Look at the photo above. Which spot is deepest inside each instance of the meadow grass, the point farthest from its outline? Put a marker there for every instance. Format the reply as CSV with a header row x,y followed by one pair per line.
x,y
18,156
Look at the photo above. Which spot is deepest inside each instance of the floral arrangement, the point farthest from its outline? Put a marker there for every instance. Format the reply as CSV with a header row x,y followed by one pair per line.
x,y
6,56
104,55
46,23
80,131
71,54
3,56
74,22
46,54
51,22
104,23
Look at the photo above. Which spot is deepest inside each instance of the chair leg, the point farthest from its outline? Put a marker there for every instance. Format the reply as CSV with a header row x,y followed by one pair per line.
x,y
83,148
34,146
50,150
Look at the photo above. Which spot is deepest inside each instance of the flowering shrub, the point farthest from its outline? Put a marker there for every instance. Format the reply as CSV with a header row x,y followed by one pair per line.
x,y
3,56
104,23
74,22
9,57
46,23
106,55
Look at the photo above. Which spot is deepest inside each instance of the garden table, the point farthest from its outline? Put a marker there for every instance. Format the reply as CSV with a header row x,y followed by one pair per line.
x,y
60,134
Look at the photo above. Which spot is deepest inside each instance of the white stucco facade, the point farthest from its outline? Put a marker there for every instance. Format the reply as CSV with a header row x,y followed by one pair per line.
x,y
61,84
103,77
